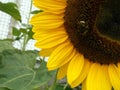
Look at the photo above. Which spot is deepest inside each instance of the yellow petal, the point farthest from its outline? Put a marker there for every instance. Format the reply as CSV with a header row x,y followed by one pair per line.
x,y
46,16
61,55
46,20
98,78
118,66
84,85
46,52
50,40
42,34
38,30
114,73
52,6
83,74
62,71
75,68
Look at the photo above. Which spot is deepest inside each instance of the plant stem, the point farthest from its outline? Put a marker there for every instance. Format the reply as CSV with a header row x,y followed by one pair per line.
x,y
24,42
25,38
65,86
29,12
54,83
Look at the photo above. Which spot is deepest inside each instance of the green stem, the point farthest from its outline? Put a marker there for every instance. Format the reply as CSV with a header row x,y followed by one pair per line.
x,y
29,12
65,86
25,36
24,42
54,83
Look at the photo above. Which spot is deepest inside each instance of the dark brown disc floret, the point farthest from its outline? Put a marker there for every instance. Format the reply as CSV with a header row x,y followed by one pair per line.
x,y
93,27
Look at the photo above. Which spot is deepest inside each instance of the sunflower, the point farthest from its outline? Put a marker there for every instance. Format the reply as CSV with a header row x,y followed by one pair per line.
x,y
82,38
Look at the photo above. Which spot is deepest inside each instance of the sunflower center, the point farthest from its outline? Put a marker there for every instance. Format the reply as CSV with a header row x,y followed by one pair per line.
x,y
93,27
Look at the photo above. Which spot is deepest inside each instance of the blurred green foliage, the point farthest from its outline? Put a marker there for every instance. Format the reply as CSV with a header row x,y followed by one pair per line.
x,y
11,9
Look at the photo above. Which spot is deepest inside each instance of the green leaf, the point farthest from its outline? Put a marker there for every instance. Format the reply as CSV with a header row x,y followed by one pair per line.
x,y
36,11
23,30
11,9
26,25
5,44
15,31
30,33
17,38
61,87
18,71
1,88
